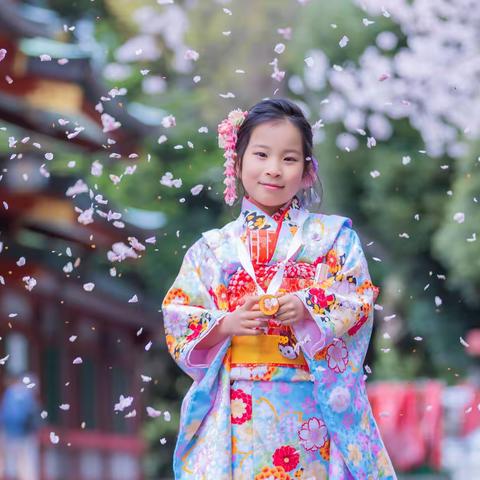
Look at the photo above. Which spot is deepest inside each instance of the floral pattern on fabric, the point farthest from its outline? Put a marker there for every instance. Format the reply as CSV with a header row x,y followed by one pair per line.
x,y
273,441
241,406
244,422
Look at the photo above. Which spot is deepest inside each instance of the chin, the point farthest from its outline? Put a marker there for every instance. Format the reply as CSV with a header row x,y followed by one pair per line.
x,y
267,200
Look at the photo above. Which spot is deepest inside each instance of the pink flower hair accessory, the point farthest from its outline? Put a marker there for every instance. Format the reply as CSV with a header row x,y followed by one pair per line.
x,y
311,176
227,139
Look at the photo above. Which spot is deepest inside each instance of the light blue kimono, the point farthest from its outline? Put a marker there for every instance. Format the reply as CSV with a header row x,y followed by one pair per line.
x,y
334,344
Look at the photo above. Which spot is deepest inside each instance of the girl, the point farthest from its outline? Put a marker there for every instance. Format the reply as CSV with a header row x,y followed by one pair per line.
x,y
271,316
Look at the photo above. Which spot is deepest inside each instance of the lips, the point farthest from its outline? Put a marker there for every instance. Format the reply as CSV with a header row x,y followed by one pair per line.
x,y
271,185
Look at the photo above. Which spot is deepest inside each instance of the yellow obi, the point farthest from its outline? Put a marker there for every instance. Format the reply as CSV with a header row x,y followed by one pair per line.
x,y
265,349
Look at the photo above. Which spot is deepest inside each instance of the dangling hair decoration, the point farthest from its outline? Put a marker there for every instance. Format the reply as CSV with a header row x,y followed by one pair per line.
x,y
227,139
310,195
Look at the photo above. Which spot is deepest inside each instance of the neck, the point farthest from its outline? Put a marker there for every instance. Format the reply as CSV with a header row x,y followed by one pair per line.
x,y
268,210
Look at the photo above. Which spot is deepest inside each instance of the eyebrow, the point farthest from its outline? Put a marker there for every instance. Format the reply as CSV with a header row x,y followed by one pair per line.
x,y
285,151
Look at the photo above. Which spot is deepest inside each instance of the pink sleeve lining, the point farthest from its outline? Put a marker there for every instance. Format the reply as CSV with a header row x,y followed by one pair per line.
x,y
309,335
202,358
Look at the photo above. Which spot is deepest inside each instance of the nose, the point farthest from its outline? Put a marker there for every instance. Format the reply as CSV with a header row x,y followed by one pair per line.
x,y
273,168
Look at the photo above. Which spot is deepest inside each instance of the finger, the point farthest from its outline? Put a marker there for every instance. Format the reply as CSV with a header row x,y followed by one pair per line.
x,y
283,300
252,333
289,320
252,299
251,328
283,315
287,303
252,315
253,324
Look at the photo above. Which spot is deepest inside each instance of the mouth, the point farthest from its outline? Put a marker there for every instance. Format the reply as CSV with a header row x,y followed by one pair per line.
x,y
271,186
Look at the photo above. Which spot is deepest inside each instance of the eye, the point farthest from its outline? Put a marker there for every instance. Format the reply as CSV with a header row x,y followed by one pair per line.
x,y
261,154
291,159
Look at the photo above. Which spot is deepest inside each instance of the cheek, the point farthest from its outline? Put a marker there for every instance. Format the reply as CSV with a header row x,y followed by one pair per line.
x,y
250,168
297,177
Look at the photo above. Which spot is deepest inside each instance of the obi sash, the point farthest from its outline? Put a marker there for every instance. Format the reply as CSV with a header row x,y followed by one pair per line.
x,y
266,350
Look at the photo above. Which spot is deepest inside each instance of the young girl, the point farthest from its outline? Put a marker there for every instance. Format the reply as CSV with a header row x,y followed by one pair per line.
x,y
271,316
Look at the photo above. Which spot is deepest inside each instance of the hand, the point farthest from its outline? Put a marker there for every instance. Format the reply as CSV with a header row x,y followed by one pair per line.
x,y
291,310
245,320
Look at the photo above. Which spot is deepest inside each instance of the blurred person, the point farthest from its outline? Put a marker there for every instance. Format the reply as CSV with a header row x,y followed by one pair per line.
x,y
19,423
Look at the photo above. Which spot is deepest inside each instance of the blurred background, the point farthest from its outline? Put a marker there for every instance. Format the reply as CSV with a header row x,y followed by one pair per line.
x,y
110,169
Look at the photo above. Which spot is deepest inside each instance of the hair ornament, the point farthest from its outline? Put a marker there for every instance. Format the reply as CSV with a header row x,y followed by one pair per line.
x,y
227,139
314,163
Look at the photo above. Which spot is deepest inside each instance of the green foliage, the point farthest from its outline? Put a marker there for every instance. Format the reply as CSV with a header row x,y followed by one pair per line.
x,y
450,245
393,364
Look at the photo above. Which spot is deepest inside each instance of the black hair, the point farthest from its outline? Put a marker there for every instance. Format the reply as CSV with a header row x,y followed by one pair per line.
x,y
280,109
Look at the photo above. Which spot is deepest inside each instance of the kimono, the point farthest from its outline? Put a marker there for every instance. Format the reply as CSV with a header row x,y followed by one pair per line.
x,y
290,403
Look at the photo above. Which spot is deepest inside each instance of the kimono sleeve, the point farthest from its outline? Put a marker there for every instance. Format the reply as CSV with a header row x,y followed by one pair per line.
x,y
342,303
191,309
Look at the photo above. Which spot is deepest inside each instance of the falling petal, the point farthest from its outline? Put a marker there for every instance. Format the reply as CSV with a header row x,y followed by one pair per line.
x,y
96,169
168,121
109,123
343,41
134,299
30,283
151,412
192,55
79,187
196,189
3,360
123,403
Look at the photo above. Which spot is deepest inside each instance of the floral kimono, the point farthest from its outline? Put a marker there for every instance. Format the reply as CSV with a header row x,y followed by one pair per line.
x,y
291,402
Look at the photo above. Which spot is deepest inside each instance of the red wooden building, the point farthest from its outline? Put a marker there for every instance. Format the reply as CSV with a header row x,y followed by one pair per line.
x,y
37,222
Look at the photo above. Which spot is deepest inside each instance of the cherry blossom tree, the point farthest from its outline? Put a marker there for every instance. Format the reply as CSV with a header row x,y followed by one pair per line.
x,y
426,70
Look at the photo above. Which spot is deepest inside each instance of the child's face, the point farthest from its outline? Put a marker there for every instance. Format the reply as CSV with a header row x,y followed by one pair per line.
x,y
273,164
